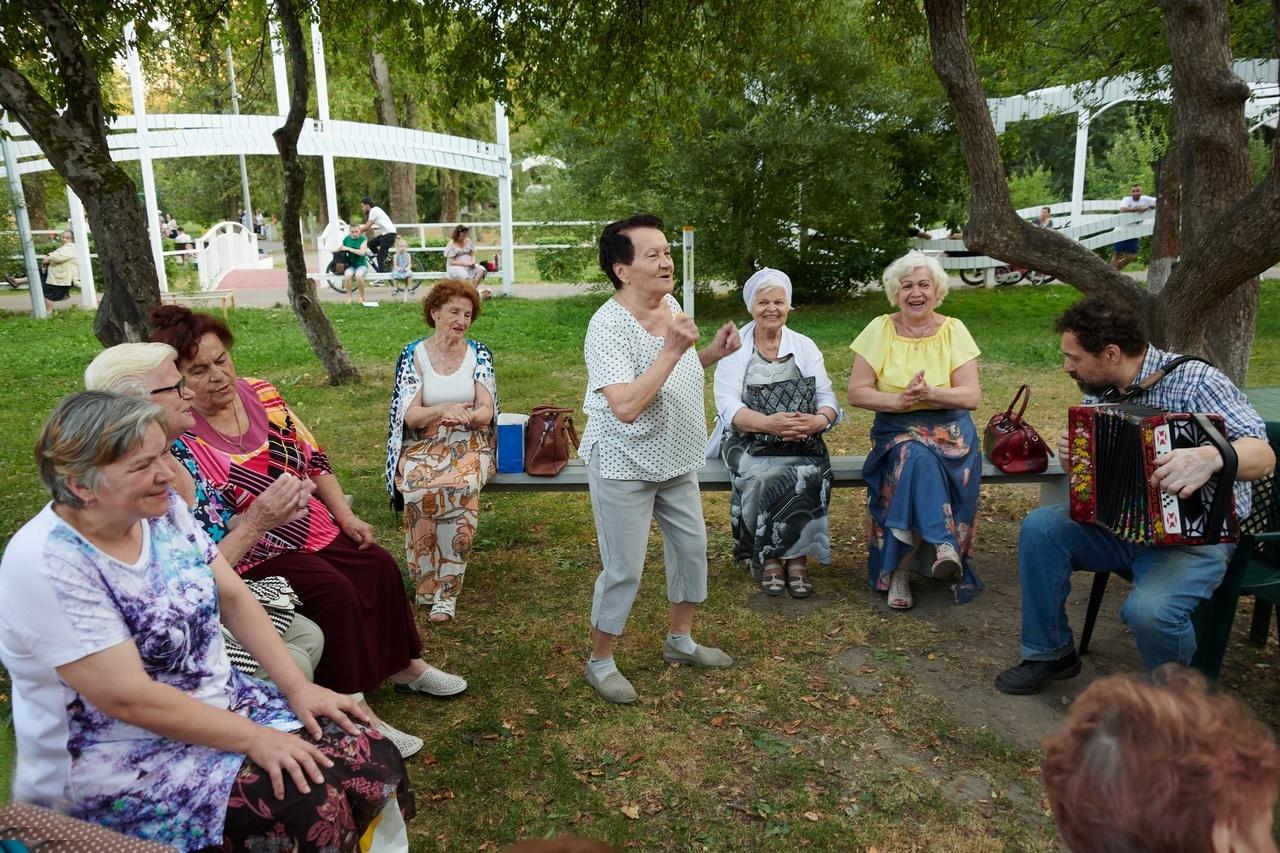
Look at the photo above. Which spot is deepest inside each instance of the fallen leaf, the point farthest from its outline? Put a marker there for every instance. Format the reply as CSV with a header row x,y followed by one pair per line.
x,y
429,759
813,816
631,810
717,722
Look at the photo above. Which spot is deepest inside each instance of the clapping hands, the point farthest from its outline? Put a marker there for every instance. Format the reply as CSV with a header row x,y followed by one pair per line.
x,y
916,392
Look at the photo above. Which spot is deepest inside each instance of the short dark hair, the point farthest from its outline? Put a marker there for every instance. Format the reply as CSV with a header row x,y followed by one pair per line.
x,y
367,200
181,328
1099,321
615,245
445,290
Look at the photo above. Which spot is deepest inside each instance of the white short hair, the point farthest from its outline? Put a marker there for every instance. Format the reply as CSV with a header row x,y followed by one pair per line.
x,y
120,368
902,267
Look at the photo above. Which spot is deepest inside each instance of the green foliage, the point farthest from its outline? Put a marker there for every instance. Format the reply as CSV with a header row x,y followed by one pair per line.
x,y
811,171
1128,161
562,264
1032,187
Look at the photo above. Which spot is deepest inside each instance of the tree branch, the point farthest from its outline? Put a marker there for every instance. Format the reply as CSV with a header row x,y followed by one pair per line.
x,y
79,79
994,228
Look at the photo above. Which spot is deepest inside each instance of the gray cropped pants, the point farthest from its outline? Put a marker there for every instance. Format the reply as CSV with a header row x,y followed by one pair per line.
x,y
623,511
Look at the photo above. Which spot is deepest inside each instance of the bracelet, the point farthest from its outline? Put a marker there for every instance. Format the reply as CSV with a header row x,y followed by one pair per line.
x,y
830,423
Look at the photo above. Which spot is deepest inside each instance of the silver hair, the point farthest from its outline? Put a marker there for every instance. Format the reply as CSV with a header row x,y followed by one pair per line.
x,y
68,233
903,266
87,431
120,368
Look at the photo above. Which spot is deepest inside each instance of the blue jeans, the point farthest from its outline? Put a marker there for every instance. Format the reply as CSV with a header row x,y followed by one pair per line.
x,y
1168,583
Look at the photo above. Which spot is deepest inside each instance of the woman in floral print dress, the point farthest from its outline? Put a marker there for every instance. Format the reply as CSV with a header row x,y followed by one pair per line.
x,y
126,710
441,443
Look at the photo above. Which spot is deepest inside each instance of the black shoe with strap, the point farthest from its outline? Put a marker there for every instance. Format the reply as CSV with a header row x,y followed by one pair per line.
x,y
1032,676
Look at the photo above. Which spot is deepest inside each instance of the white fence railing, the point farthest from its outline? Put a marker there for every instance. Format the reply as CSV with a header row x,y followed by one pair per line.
x,y
225,247
416,233
1098,226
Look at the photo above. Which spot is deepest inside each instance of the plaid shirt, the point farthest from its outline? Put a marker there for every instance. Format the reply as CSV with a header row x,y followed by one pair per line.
x,y
1198,387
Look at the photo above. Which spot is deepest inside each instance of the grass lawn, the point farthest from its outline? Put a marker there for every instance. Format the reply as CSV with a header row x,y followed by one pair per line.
x,y
844,726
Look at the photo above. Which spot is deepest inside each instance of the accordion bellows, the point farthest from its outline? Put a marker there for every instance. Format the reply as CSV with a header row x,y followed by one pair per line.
x,y
1111,456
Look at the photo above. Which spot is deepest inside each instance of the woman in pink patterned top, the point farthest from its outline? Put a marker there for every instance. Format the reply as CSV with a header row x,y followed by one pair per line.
x,y
246,436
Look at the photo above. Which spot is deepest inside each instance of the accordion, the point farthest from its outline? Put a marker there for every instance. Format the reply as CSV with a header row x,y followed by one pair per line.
x,y
1111,457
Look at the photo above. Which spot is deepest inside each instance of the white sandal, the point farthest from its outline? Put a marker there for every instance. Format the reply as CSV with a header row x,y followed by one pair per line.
x,y
900,589
444,608
407,744
434,682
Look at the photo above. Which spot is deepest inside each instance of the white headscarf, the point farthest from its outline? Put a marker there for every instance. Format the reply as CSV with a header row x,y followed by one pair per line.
x,y
766,276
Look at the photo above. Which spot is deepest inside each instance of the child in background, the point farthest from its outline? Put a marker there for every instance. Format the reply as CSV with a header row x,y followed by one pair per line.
x,y
401,265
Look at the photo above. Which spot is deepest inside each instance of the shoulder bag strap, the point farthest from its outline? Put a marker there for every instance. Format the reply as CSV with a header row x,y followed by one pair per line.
x,y
1156,375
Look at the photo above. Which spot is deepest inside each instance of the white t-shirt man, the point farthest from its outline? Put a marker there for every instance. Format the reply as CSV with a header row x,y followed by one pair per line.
x,y
379,221
1142,203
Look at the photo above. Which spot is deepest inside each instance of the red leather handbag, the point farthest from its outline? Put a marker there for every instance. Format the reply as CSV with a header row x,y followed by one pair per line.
x,y
1012,444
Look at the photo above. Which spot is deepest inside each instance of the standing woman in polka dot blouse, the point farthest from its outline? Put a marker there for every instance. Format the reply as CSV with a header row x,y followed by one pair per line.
x,y
644,442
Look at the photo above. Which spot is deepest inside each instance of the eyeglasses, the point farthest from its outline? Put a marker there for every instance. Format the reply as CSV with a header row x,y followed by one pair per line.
x,y
178,388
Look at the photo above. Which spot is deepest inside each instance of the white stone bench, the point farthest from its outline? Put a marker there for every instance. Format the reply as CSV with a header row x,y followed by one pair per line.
x,y
714,477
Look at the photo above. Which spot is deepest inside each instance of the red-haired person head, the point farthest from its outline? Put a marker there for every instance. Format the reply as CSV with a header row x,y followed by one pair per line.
x,y
1162,766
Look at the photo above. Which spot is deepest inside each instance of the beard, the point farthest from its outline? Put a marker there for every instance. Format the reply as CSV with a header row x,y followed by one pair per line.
x,y
1091,388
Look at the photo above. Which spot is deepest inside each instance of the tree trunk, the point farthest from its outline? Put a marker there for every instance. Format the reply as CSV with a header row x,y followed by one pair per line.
x,y
322,209
1165,236
994,228
402,178
1212,143
33,190
1229,234
302,292
75,142
448,196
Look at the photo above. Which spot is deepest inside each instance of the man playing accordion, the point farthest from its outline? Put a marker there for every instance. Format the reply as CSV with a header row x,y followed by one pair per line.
x,y
1105,351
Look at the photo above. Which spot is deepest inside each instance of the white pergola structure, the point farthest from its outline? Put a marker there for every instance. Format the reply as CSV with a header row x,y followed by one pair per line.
x,y
144,138
1090,100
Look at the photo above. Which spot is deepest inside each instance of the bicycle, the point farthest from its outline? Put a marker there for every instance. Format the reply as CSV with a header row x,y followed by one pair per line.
x,y
1006,275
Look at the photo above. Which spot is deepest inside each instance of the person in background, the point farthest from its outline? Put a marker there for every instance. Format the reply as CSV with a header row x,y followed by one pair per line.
x,y
460,257
401,264
380,231
1161,767
1126,250
61,271
1044,219
170,227
644,442
357,249
918,371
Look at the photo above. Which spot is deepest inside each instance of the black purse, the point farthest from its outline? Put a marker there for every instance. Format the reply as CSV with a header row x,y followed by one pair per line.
x,y
789,395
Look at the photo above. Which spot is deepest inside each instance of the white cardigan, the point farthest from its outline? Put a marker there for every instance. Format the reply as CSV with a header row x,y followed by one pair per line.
x,y
731,373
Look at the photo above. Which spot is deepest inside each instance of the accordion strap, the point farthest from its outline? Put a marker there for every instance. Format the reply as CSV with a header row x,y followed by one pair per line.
x,y
1223,495
1149,382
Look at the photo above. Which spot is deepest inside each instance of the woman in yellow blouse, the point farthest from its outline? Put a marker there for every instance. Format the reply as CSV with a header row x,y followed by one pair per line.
x,y
918,371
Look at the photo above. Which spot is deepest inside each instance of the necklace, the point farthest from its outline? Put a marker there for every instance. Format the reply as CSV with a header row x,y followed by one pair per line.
x,y
919,332
238,441
444,361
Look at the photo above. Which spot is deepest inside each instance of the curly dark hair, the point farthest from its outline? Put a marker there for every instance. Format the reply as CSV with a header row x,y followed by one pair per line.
x,y
616,247
1099,321
1153,765
445,290
182,329
458,231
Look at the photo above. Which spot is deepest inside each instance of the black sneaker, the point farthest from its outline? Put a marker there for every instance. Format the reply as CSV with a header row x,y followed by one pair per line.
x,y
1032,676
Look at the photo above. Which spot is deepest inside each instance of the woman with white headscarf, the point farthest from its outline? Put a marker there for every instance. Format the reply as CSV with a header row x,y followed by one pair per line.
x,y
774,401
